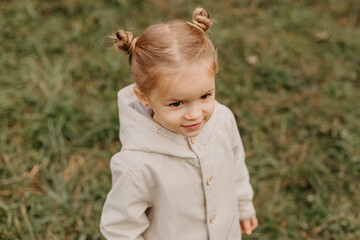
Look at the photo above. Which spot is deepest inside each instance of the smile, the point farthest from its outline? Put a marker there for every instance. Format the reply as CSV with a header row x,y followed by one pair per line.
x,y
193,127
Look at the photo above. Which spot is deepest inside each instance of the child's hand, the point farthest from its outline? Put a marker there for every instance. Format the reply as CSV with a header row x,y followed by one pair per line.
x,y
248,225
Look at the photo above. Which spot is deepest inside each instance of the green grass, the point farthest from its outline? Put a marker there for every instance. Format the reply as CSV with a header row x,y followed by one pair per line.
x,y
290,71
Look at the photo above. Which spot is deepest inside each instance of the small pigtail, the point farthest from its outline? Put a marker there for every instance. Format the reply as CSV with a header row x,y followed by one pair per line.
x,y
125,41
201,19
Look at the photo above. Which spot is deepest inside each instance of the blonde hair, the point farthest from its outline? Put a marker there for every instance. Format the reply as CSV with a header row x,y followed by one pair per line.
x,y
166,48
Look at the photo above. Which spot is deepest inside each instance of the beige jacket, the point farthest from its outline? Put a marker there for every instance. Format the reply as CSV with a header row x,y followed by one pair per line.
x,y
167,187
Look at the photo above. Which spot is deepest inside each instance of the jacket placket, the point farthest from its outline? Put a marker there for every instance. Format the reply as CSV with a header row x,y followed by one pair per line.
x,y
207,176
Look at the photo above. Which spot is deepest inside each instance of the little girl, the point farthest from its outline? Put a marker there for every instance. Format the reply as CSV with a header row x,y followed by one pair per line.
x,y
181,173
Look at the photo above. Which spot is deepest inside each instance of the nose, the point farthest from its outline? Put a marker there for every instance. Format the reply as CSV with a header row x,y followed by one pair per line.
x,y
193,112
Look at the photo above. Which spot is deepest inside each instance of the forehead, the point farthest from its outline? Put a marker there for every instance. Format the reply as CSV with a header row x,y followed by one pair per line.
x,y
192,82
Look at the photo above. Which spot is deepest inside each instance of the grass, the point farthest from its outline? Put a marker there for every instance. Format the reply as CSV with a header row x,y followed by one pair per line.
x,y
290,71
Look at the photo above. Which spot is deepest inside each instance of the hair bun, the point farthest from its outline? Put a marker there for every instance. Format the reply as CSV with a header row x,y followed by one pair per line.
x,y
201,18
125,41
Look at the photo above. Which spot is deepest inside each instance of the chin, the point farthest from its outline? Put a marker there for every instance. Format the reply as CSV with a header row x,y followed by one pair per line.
x,y
192,134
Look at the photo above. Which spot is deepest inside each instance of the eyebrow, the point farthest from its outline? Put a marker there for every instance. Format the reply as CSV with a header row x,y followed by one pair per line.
x,y
176,100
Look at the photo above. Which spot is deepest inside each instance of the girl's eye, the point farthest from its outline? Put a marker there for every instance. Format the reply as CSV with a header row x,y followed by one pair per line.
x,y
175,104
205,96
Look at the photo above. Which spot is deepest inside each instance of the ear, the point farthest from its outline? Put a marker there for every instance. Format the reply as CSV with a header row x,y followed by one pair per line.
x,y
141,96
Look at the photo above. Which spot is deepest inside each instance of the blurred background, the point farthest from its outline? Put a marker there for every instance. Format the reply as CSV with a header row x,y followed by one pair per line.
x,y
289,70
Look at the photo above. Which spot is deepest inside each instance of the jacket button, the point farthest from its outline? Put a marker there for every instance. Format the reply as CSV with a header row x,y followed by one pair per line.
x,y
209,179
212,218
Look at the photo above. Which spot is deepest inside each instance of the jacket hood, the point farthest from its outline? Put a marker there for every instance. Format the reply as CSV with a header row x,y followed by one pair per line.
x,y
139,132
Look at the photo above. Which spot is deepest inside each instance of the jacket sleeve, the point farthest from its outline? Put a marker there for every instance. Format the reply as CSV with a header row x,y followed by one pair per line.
x,y
244,190
123,216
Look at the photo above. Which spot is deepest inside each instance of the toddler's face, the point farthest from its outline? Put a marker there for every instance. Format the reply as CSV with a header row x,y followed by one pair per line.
x,y
187,104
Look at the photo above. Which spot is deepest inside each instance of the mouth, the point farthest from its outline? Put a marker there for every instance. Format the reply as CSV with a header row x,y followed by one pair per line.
x,y
193,126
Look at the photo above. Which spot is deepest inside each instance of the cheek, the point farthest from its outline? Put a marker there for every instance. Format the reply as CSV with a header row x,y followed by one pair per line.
x,y
172,117
210,106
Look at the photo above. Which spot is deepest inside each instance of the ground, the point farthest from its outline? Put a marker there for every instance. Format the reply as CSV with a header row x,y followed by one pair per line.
x,y
289,70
